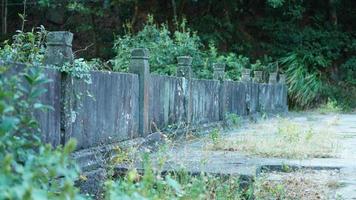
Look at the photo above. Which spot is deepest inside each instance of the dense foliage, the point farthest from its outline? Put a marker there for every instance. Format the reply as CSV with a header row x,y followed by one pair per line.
x,y
165,47
312,41
30,169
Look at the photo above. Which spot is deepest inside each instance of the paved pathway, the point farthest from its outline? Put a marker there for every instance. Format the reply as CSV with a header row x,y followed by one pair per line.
x,y
194,156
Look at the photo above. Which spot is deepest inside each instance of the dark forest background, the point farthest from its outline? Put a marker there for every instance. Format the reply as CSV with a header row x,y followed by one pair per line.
x,y
312,41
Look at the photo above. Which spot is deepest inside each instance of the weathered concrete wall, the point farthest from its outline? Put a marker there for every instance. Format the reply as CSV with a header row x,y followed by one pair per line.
x,y
205,101
253,106
279,100
265,98
104,111
235,97
49,120
166,101
107,110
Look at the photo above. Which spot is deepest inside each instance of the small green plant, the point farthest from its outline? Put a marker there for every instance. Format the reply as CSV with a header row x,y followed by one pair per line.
x,y
179,184
233,120
215,136
26,47
79,69
330,107
287,140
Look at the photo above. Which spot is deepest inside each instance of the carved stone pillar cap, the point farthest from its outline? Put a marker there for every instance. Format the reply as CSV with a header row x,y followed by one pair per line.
x,y
219,66
140,53
184,60
273,75
59,38
282,78
246,71
258,73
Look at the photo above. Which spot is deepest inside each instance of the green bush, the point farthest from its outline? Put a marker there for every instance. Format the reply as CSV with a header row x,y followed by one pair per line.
x,y
165,47
29,168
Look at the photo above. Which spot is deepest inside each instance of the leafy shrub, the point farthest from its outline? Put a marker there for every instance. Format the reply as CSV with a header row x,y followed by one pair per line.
x,y
30,169
349,68
232,120
165,47
26,47
330,107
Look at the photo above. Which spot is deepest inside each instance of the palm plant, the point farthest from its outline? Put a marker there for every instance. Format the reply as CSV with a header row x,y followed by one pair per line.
x,y
304,85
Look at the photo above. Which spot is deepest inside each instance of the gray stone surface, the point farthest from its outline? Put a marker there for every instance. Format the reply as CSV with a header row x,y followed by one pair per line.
x,y
265,95
139,65
253,106
167,102
246,75
184,68
205,101
218,71
49,120
235,98
194,156
105,111
272,78
59,48
258,76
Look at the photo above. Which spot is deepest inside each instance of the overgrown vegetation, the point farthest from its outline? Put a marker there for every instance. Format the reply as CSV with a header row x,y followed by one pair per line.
x,y
30,169
166,46
287,140
313,42
177,185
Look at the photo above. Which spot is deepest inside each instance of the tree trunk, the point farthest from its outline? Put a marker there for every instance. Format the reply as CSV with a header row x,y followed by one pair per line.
x,y
174,7
4,16
332,12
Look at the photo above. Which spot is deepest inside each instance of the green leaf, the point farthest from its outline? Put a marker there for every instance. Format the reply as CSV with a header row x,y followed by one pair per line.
x,y
42,107
70,146
8,123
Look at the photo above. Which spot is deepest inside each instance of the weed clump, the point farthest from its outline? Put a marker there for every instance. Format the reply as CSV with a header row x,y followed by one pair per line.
x,y
288,140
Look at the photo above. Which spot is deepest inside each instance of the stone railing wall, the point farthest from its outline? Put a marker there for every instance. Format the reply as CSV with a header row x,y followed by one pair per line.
x,y
121,106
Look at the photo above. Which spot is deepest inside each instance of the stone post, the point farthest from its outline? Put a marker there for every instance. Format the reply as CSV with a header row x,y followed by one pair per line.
x,y
59,52
246,75
246,80
258,76
59,48
282,79
272,78
219,74
284,93
219,71
185,70
139,65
